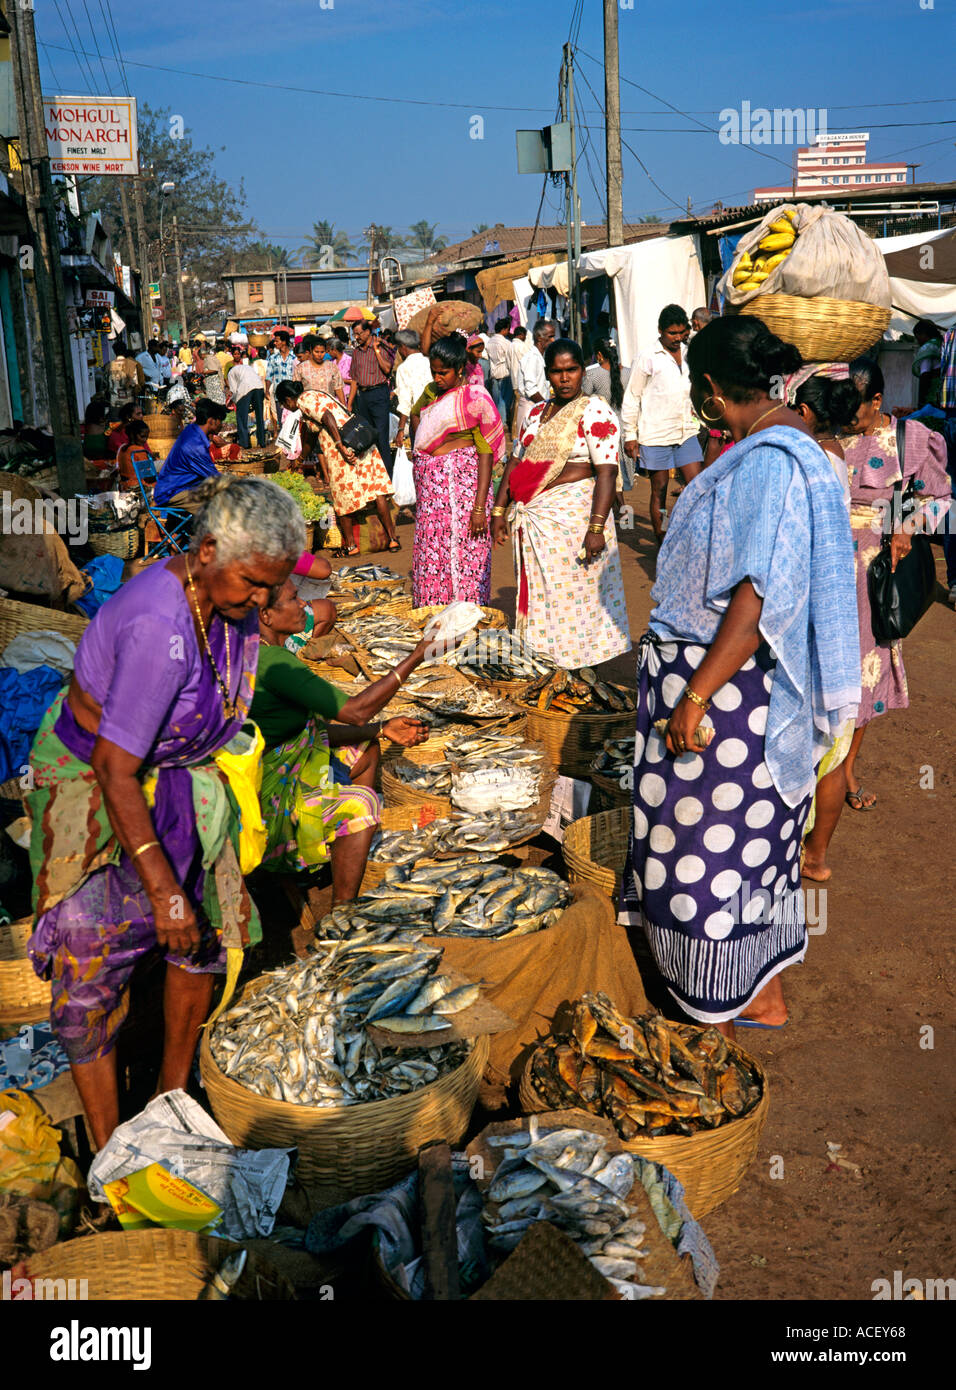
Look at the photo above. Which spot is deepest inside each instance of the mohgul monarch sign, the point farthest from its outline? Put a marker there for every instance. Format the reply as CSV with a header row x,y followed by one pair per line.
x,y
91,135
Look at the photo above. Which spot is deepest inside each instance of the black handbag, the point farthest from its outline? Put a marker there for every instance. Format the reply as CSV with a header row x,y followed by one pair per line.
x,y
899,599
357,434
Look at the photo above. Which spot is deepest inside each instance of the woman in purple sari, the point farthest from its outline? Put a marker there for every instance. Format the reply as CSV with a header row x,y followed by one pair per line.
x,y
138,783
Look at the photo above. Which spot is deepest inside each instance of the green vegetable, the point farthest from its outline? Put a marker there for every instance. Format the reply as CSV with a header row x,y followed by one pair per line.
x,y
312,507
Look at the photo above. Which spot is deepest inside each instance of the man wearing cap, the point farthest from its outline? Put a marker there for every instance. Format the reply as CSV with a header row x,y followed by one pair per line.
x,y
371,371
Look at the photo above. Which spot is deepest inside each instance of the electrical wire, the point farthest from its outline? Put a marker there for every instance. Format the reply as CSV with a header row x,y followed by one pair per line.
x,y
73,48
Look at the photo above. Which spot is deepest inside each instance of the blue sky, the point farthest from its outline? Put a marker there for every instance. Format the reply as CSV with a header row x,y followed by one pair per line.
x,y
354,161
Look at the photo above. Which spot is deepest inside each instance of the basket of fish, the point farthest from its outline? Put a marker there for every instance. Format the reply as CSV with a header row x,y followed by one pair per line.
x,y
349,579
501,660
463,897
293,1062
453,779
612,774
595,849
573,713
491,617
409,834
570,1169
679,1094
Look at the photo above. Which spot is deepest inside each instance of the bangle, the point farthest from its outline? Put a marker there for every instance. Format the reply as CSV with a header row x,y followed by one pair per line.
x,y
596,528
150,844
696,699
599,520
498,511
397,676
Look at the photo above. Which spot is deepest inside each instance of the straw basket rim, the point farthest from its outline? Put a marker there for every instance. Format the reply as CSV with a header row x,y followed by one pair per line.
x,y
24,996
494,618
124,544
151,1264
821,328
17,617
347,1150
610,791
613,825
398,793
710,1164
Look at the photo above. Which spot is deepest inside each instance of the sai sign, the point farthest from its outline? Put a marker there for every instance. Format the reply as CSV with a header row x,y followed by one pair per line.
x,y
91,135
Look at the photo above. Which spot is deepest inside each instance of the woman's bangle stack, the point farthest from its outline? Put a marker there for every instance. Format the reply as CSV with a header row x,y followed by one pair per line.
x,y
696,699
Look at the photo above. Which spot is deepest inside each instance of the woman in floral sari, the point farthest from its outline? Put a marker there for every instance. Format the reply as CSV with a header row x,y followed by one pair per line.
x,y
317,776
458,438
142,774
561,480
873,465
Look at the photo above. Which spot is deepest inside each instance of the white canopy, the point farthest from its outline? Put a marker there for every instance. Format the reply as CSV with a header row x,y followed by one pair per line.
x,y
918,299
646,276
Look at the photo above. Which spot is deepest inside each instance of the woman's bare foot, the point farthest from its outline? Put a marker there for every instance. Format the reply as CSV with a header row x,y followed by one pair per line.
x,y
768,1006
814,869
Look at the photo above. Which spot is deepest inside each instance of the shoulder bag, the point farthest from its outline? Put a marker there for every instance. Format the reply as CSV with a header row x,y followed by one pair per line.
x,y
899,599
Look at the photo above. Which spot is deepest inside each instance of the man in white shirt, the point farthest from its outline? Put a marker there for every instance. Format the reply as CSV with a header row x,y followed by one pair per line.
x,y
499,357
411,377
247,389
152,363
533,385
657,412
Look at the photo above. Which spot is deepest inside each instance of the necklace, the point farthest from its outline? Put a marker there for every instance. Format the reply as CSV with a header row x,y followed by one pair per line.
x,y
228,704
551,410
778,406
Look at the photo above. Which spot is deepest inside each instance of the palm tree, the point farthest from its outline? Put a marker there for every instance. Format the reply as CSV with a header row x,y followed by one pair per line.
x,y
482,227
423,235
324,234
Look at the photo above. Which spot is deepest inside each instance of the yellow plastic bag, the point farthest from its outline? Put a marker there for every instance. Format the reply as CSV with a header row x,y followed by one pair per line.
x,y
30,1162
241,761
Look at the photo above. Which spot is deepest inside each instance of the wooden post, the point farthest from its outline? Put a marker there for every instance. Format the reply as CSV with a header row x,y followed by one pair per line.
x,y
612,127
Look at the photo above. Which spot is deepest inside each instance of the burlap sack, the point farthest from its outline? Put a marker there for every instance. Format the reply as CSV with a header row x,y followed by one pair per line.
x,y
531,977
831,257
456,315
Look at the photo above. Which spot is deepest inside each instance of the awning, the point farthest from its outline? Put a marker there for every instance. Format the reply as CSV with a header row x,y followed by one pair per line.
x,y
922,269
91,274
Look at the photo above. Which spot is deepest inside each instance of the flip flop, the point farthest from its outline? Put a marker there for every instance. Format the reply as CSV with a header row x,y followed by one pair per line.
x,y
857,796
394,546
752,1023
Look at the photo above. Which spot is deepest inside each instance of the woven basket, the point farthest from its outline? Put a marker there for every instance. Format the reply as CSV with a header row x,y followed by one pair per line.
x,y
349,1150
163,427
574,740
155,1266
508,690
30,617
711,1165
595,850
160,448
399,793
124,544
24,997
824,330
608,793
493,617
393,818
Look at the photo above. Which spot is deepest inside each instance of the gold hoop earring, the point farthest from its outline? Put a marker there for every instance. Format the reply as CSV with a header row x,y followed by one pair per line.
x,y
712,419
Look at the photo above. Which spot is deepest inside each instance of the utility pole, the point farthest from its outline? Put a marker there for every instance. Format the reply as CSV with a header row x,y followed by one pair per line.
x,y
145,303
179,281
51,299
372,234
127,225
572,212
612,127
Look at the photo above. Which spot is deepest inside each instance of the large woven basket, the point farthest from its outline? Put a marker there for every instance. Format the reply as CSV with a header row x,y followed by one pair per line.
x,y
493,617
348,1150
31,617
24,997
124,544
160,448
595,850
711,1165
824,330
508,690
393,818
162,427
573,740
154,1266
399,793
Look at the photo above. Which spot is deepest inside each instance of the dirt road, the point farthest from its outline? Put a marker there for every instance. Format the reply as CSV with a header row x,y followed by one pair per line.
x,y
867,1058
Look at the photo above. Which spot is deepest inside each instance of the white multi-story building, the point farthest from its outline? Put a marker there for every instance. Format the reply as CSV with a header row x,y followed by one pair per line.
x,y
837,162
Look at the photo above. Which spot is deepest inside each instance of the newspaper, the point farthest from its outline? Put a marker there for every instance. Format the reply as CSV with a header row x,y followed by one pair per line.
x,y
569,801
173,1130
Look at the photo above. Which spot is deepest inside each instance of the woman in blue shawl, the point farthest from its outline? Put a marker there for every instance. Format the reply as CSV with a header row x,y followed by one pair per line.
x,y
754,633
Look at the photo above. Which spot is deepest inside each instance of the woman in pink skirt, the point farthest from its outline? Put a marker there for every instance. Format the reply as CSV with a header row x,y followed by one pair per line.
x,y
458,438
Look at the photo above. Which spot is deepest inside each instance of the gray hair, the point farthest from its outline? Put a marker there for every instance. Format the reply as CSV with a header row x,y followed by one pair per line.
x,y
704,315
407,337
248,516
542,327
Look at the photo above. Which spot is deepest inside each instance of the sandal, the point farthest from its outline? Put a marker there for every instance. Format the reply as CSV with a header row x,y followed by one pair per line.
x,y
855,800
394,546
352,550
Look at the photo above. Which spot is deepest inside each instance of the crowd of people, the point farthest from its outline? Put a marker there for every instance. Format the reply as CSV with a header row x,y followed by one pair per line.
x,y
757,677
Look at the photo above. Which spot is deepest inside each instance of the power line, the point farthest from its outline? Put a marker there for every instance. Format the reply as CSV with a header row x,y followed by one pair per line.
x,y
73,48
49,61
96,45
114,43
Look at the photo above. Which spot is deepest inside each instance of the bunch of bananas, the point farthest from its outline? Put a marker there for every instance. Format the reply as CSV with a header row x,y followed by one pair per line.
x,y
773,248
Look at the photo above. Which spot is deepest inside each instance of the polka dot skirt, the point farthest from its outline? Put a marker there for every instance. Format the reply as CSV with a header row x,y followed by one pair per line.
x,y
714,852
